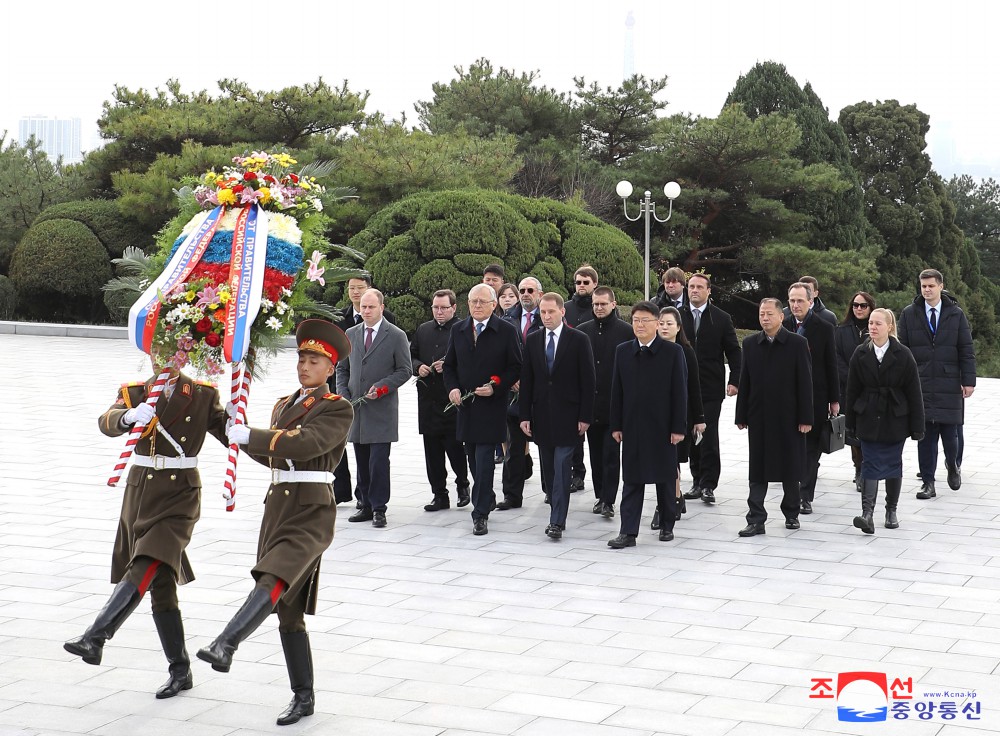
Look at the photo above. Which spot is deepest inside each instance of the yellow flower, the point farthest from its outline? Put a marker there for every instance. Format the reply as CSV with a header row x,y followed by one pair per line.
x,y
283,159
224,297
304,184
210,178
265,195
189,296
226,196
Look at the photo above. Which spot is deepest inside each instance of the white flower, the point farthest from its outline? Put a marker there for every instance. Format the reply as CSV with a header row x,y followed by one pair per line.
x,y
281,307
286,292
274,323
317,203
195,222
266,304
284,227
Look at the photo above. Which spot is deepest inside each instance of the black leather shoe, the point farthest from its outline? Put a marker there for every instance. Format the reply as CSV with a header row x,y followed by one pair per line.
x,y
622,541
695,492
752,530
359,505
598,506
362,515
683,504
90,647
553,531
708,495
608,511
440,503
806,507
655,523
666,536
927,491
378,520
548,498
479,527
507,506
792,524
576,484
677,509
954,477
464,496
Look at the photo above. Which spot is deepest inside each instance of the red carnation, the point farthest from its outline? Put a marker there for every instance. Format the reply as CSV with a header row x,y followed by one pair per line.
x,y
381,391
294,178
250,176
495,380
238,188
269,179
212,340
204,325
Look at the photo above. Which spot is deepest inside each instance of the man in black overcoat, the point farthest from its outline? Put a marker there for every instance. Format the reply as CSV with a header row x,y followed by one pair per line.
x,y
775,403
710,331
557,400
804,320
484,358
606,332
648,418
437,427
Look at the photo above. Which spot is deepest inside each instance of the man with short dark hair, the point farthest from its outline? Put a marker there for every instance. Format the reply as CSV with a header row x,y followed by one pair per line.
x,y
818,308
494,276
775,402
436,426
711,333
672,289
579,309
937,332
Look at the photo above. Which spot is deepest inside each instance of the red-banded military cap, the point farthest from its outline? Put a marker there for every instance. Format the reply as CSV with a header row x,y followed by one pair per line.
x,y
325,338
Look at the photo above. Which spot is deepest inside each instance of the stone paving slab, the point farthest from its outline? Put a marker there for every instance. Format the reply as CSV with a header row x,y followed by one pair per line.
x,y
425,630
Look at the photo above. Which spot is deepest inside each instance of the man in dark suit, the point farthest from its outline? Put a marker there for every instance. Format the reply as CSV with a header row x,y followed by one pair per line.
x,y
495,276
671,292
775,402
580,309
557,400
516,468
482,348
710,332
606,332
818,307
804,321
437,427
648,418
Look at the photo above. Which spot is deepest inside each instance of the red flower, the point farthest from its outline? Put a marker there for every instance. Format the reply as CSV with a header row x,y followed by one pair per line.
x,y
204,325
212,340
294,178
269,179
495,380
381,391
237,188
250,176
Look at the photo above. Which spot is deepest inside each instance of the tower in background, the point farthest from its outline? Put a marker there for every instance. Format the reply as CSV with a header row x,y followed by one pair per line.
x,y
58,137
629,67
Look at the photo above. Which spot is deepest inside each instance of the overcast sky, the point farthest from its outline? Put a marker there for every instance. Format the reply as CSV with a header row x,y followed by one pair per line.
x,y
66,62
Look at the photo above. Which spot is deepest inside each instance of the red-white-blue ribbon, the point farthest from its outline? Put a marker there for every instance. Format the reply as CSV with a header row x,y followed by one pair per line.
x,y
246,281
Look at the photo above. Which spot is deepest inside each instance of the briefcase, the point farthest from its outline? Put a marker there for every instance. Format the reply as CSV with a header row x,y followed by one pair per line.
x,y
834,434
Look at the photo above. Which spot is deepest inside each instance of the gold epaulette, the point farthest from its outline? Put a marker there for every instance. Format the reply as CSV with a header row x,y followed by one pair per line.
x,y
132,384
205,383
332,397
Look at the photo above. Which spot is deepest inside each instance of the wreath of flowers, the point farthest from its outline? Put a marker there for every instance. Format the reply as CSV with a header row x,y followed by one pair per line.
x,y
260,178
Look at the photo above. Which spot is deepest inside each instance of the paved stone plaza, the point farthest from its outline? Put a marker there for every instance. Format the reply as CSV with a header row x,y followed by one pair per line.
x,y
424,629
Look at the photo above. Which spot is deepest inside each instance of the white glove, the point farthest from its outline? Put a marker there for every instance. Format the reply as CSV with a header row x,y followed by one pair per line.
x,y
238,434
141,414
231,410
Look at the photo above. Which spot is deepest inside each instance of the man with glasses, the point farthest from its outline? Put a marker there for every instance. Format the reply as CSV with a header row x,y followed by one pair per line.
x,y
606,332
482,348
580,309
525,319
648,418
437,427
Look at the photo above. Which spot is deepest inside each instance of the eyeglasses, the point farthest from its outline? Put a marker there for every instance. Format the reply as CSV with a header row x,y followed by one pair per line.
x,y
478,302
441,309
861,305
647,320
527,291
583,283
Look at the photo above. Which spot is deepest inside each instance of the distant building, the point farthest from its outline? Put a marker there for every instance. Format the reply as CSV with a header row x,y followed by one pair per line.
x,y
59,137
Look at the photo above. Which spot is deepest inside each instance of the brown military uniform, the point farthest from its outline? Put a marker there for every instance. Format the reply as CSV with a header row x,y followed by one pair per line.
x,y
299,518
160,507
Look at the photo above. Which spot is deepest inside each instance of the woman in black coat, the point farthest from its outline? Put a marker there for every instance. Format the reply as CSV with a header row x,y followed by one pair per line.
x,y
669,328
884,407
851,332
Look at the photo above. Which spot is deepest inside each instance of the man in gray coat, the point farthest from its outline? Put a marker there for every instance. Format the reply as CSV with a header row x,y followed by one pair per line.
x,y
378,365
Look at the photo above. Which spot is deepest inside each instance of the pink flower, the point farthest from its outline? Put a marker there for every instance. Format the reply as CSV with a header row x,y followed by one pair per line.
x,y
207,296
314,272
249,196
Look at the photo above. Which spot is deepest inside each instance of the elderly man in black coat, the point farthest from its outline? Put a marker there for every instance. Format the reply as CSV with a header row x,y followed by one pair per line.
x,y
937,332
557,400
648,418
437,427
484,360
606,332
776,404
803,320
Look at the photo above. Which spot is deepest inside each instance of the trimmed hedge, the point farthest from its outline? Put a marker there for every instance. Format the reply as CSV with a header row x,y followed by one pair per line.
x,y
437,240
8,298
104,219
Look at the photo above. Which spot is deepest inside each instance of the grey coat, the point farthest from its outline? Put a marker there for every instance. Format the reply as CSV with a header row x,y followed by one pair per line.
x,y
387,363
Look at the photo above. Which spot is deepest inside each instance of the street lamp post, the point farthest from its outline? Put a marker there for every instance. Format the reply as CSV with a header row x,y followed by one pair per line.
x,y
647,209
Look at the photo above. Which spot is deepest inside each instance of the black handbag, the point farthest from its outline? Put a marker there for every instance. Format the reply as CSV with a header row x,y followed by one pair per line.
x,y
834,434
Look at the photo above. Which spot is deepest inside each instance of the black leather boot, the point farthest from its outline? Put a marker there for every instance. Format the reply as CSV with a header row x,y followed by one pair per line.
x,y
255,610
892,489
868,493
171,630
298,660
90,646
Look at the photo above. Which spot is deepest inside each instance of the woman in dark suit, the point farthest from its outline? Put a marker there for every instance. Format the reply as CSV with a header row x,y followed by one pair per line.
x,y
851,332
884,407
670,329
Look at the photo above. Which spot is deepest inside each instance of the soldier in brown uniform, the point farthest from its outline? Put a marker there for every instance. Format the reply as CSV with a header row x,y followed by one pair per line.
x,y
161,504
304,444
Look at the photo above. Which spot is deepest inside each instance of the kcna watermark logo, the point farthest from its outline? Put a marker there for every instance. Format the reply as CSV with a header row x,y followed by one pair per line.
x,y
870,697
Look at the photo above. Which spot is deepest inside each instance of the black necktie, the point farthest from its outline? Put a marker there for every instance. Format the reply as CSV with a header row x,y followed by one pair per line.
x,y
933,321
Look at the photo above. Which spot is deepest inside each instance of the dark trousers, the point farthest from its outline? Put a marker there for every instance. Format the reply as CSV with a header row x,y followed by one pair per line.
x,y
927,448
373,474
705,462
557,465
484,500
807,491
579,469
758,492
342,491
605,463
514,467
631,508
436,447
961,444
